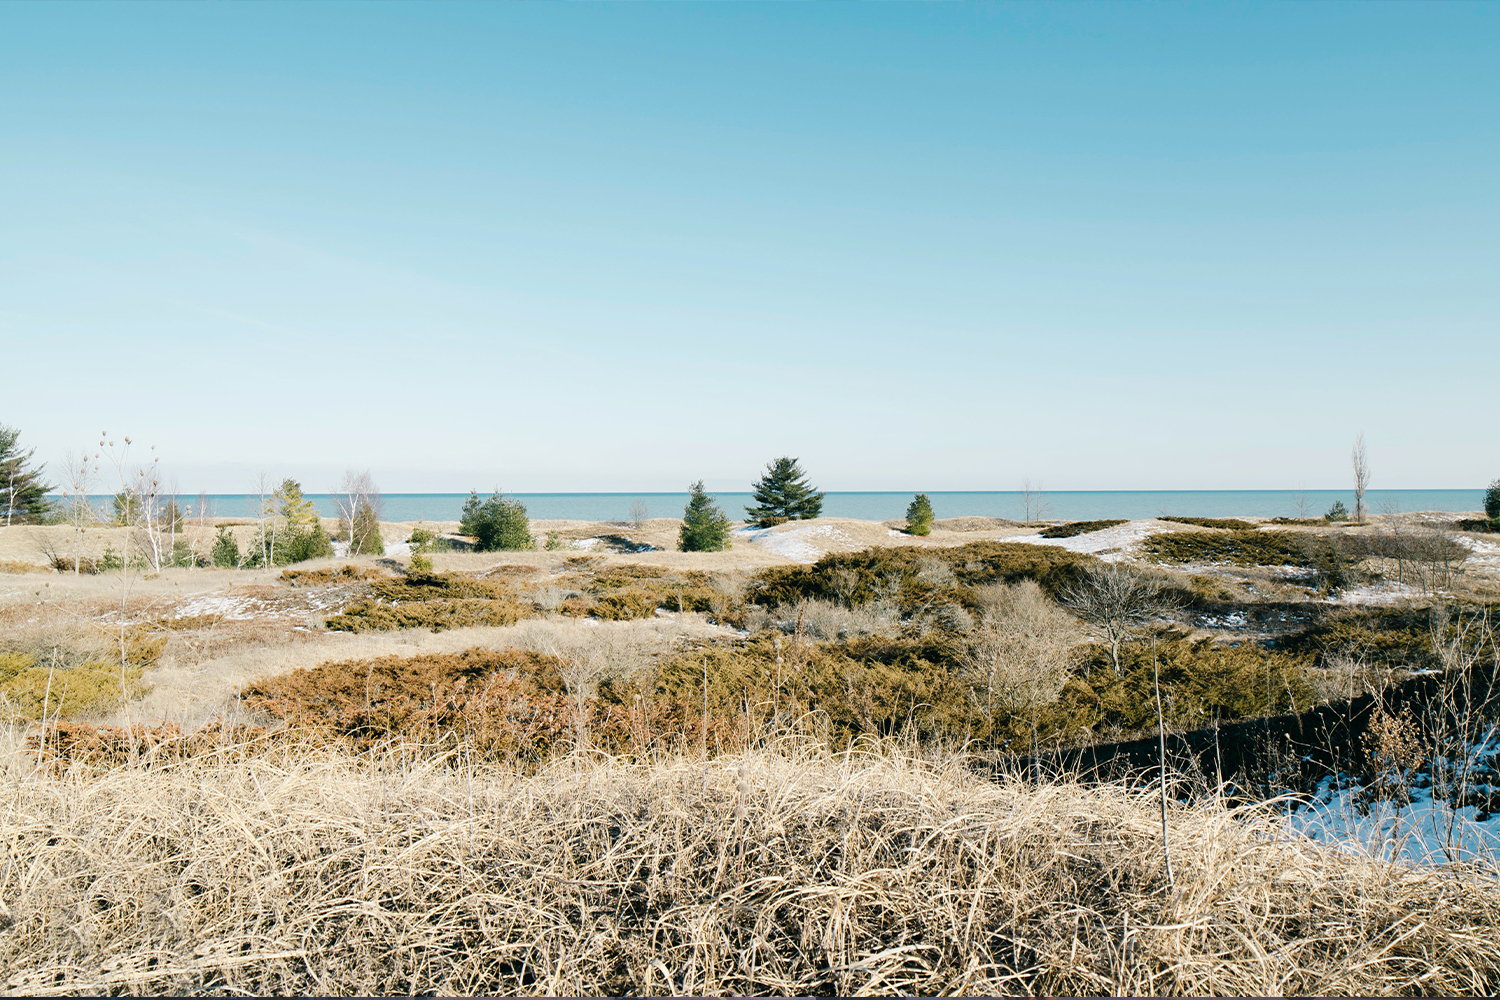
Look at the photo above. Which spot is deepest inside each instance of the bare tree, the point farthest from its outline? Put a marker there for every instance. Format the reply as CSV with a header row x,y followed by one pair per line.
x,y
80,473
1299,498
639,512
1118,604
1033,502
1361,475
358,502
1019,650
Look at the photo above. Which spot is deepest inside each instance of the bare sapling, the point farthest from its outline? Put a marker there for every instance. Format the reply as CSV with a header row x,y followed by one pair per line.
x,y
1034,504
1118,604
1361,465
80,474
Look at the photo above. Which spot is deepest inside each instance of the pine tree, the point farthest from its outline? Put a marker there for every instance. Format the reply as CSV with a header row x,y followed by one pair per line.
x,y
783,494
496,523
293,506
705,528
226,551
919,516
1492,501
23,495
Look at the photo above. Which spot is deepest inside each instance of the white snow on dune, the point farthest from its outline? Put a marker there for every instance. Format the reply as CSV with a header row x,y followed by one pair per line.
x,y
794,543
1110,544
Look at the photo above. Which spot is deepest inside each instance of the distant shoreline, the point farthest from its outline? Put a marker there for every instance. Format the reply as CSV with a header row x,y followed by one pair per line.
x,y
890,505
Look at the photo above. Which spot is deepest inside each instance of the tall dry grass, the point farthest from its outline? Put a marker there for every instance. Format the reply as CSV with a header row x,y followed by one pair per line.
x,y
785,871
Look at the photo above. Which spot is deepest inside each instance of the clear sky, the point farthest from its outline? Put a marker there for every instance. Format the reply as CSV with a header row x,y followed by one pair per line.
x,y
622,247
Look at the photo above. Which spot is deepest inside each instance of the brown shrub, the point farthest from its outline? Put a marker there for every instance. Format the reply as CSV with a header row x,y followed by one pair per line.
x,y
324,577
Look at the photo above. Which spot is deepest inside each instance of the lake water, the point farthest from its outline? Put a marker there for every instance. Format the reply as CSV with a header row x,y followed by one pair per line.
x,y
1076,505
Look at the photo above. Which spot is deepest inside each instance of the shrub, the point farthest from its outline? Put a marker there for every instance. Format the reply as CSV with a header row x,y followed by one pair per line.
x,y
496,523
554,541
1245,548
110,560
66,564
1226,523
433,602
856,578
226,551
1338,512
424,539
919,515
705,528
420,563
1079,528
1492,501
783,492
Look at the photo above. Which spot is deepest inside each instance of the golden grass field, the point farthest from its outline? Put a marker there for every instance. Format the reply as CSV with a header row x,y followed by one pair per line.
x,y
277,866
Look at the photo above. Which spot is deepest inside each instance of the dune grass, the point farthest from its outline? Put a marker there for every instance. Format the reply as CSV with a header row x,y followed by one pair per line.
x,y
785,870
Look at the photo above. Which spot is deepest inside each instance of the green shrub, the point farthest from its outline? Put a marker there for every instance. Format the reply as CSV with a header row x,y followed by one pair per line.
x,y
1079,528
226,551
1226,523
1244,548
919,515
424,539
856,578
420,563
1492,501
110,560
433,602
496,523
705,528
1338,512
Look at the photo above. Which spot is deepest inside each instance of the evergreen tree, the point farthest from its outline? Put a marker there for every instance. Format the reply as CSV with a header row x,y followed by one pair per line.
x,y
23,495
705,528
783,494
292,505
496,524
1492,501
226,551
919,515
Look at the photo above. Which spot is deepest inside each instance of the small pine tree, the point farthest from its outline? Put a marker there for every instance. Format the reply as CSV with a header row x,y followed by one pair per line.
x,y
705,528
1492,501
1338,512
496,524
919,515
23,494
783,494
292,505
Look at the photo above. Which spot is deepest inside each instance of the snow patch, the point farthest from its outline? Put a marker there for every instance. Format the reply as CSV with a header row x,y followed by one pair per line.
x,y
1111,544
794,543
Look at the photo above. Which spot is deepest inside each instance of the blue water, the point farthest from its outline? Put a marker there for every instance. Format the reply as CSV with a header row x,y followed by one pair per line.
x,y
1076,505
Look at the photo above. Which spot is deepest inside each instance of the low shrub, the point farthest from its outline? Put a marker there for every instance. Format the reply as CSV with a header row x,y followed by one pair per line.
x,y
856,578
66,564
1304,521
1244,548
1337,512
324,577
1478,525
1073,528
67,686
1226,523
432,601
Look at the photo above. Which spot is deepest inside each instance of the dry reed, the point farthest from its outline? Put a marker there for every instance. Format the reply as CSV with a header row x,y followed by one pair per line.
x,y
792,870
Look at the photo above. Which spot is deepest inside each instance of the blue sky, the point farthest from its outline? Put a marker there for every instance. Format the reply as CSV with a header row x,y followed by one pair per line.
x,y
623,247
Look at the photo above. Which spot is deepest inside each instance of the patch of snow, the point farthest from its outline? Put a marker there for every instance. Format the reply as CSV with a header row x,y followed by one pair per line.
x,y
793,543
1376,593
586,544
1425,831
1111,544
226,607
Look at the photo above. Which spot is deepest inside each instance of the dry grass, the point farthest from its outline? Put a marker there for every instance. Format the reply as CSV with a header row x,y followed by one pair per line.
x,y
785,872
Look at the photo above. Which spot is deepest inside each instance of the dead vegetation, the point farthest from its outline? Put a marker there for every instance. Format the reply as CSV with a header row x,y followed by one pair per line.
x,y
788,870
